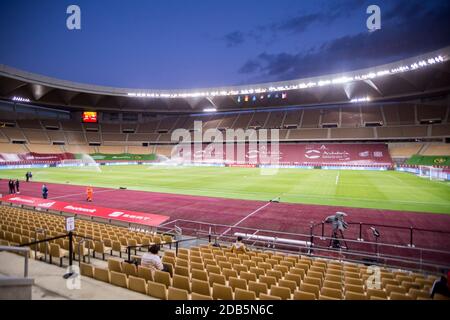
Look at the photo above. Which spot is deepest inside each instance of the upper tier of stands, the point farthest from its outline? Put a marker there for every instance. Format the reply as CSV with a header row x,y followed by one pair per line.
x,y
366,122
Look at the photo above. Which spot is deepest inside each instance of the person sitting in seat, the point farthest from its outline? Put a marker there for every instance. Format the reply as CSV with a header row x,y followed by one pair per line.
x,y
239,246
441,286
152,260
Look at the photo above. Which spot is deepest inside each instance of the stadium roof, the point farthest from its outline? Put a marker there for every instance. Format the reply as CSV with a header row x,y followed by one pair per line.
x,y
424,75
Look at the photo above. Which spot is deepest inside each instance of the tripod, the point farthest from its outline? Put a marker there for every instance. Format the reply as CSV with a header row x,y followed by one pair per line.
x,y
335,242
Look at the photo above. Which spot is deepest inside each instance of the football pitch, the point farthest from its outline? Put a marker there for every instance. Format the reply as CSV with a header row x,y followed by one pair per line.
x,y
363,189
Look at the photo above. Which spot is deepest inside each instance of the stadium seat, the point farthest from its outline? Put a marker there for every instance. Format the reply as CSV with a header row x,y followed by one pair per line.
x,y
201,287
137,284
241,294
177,294
292,285
115,265
282,292
235,282
102,274
268,280
57,252
162,277
354,296
264,296
157,290
222,292
119,279
199,274
399,296
144,273
197,296
257,287
100,247
247,276
129,269
300,295
87,270
310,288
181,282
217,278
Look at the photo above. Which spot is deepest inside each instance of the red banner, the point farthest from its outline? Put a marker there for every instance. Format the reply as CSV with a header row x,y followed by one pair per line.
x,y
147,219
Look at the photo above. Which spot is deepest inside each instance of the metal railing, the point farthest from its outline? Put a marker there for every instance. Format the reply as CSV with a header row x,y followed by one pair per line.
x,y
25,251
361,251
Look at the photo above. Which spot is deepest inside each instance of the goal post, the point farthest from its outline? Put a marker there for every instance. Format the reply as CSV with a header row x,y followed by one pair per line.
x,y
432,173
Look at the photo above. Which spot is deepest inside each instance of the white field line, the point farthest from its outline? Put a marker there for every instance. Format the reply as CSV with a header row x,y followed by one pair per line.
x,y
337,178
81,193
245,218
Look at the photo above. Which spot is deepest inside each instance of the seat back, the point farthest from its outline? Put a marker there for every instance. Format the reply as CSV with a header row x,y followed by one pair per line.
x,y
201,287
157,290
162,277
181,282
119,279
282,292
222,292
137,284
235,282
114,265
301,295
101,274
177,294
257,287
241,294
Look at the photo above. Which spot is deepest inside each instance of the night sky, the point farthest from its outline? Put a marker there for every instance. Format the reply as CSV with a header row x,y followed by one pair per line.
x,y
169,44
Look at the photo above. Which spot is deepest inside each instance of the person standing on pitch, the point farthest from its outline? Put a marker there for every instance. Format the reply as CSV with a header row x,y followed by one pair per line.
x,y
44,191
17,185
27,176
89,194
11,186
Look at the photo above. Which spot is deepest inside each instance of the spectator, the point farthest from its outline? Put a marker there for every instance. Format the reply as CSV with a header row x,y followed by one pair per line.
x,y
89,194
152,260
238,246
11,186
44,191
17,186
441,286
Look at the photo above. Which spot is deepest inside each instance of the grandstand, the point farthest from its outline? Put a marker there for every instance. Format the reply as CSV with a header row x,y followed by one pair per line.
x,y
392,124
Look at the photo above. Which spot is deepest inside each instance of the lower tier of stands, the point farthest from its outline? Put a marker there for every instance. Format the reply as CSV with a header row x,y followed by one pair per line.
x,y
206,271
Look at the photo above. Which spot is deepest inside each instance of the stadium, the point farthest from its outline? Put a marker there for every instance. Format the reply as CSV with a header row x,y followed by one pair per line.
x,y
191,170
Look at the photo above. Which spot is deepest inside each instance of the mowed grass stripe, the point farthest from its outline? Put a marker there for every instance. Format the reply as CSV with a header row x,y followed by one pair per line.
x,y
365,189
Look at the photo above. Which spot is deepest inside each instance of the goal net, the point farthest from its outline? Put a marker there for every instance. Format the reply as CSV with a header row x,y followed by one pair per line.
x,y
432,173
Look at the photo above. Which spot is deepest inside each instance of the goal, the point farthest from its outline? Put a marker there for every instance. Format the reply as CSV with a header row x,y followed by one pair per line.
x,y
432,173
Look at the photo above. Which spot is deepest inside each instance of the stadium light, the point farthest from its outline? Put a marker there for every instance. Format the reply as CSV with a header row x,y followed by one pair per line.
x,y
20,99
270,88
209,110
363,99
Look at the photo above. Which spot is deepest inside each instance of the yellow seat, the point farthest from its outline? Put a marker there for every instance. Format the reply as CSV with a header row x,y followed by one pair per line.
x,y
119,279
301,295
197,296
282,292
201,287
354,296
157,290
162,277
257,287
222,292
87,270
235,282
264,296
101,274
177,294
181,282
241,294
137,284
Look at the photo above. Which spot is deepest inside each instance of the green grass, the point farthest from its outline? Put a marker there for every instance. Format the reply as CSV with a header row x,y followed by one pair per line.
x,y
364,189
